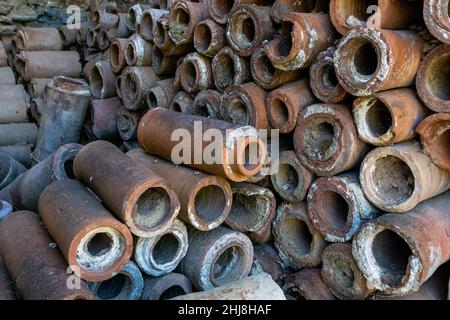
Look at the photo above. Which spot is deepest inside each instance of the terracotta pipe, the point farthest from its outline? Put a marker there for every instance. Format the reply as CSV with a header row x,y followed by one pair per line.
x,y
10,169
436,17
117,54
195,73
102,81
307,284
104,115
207,262
368,60
239,141
207,104
209,38
38,271
326,140
13,111
136,195
205,199
37,39
18,133
397,253
184,16
298,243
434,134
161,95
284,104
228,68
127,123
166,287
220,10
91,38
162,40
147,27
388,117
281,7
163,65
135,14
136,83
182,102
138,51
266,259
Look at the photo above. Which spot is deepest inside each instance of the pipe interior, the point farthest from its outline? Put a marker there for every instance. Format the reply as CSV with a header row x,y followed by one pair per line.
x,y
224,71
180,22
339,269
112,288
115,54
228,266
329,78
297,236
172,292
152,208
146,26
287,178
279,111
130,54
99,244
378,119
152,100
334,209
210,203
438,77
263,68
166,249
285,43
365,58
441,143
189,75
203,37
237,112
96,82
319,139
249,210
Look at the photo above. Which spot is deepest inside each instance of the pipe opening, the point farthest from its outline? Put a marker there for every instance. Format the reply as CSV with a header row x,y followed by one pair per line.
x,y
224,71
285,37
391,253
130,54
319,139
263,68
378,119
102,39
96,82
152,208
203,37
175,106
251,156
152,100
210,203
172,292
365,58
189,75
180,23
338,268
114,287
237,112
201,109
68,169
160,35
146,26
248,210
438,77
222,7
115,54
91,38
329,77
393,179
334,209
287,178
131,89
279,111
293,293
166,249
132,18
157,59
296,234
441,144
99,244
228,266
62,34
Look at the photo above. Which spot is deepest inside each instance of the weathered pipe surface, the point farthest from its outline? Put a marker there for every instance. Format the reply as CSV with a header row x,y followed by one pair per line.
x,y
162,40
292,180
68,36
37,39
266,75
48,64
183,102
117,54
135,14
127,284
161,95
7,76
7,290
217,257
248,27
102,80
323,80
388,117
380,14
326,140
13,111
301,37
66,103
93,242
266,259
37,268
147,27
138,51
239,141
281,7
136,83
195,73
398,252
397,178
229,68
436,18
342,275
136,195
298,243
307,284
37,86
259,287
81,34
103,41
184,16
369,60
160,255
5,209
209,37
166,287
245,105
20,152
432,79
284,104
91,38
162,64
205,199
18,133
207,104
252,211
14,92
434,133
338,208
3,56
104,117
105,20
9,170
120,30
220,10
127,124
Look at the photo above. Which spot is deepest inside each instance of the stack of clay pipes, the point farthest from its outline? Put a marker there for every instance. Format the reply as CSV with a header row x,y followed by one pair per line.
x,y
359,206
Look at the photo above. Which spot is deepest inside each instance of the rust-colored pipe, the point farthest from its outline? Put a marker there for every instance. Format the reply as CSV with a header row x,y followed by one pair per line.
x,y
229,68
397,178
104,115
388,117
435,14
37,39
162,40
384,14
285,103
252,211
102,81
248,27
207,104
217,257
292,180
161,95
136,83
302,36
245,105
9,170
266,75
369,60
7,290
163,65
307,284
220,10
338,208
209,37
138,51
323,80
398,252
184,16
326,140
266,259
147,27
94,243
166,287
239,141
281,7
127,123
342,275
205,199
37,268
298,243
195,73
135,14
182,102
136,195
432,82
117,54
434,133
